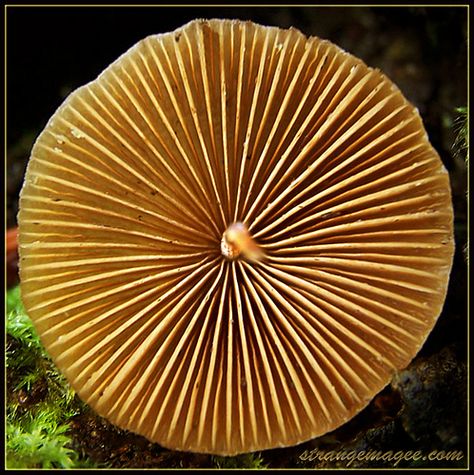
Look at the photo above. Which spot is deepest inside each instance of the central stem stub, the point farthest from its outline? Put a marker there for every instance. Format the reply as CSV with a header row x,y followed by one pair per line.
x,y
237,242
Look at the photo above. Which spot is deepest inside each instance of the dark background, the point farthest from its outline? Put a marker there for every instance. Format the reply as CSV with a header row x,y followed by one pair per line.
x,y
51,51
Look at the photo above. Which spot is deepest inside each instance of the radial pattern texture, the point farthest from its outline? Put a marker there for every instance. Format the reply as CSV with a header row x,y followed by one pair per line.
x,y
318,169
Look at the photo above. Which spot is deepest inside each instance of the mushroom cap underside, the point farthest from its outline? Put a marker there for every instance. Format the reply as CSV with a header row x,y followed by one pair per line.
x,y
136,178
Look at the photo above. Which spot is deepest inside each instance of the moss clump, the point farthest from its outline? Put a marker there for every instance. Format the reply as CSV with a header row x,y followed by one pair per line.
x,y
39,440
250,461
39,401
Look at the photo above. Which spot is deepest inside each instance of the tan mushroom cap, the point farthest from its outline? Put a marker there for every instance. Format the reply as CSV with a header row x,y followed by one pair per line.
x,y
233,237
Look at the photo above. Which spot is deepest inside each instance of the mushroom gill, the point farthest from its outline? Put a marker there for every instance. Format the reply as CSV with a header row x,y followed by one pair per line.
x,y
233,237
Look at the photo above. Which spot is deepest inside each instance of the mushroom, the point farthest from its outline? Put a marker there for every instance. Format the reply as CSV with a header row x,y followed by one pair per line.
x,y
234,237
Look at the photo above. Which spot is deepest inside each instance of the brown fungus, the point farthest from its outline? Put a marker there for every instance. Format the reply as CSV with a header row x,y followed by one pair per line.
x,y
233,237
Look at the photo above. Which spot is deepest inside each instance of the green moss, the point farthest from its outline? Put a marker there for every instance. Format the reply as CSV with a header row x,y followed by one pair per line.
x,y
39,441
461,143
252,460
39,401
